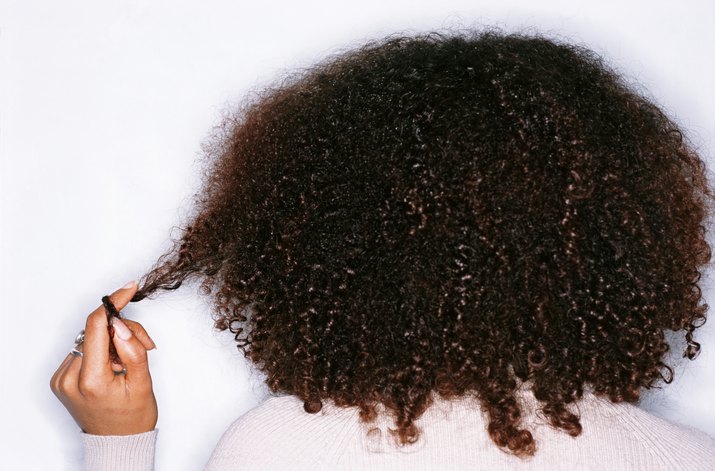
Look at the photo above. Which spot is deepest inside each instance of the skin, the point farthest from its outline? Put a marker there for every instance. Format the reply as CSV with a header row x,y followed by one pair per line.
x,y
100,401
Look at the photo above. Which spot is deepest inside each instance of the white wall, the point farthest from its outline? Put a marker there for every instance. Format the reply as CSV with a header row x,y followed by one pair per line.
x,y
103,106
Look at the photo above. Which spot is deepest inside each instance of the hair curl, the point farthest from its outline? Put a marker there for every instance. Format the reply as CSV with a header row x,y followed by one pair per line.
x,y
451,213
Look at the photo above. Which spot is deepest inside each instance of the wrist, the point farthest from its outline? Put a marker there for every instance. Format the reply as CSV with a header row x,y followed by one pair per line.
x,y
119,452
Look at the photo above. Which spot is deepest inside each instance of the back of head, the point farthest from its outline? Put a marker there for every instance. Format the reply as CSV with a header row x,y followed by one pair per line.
x,y
451,213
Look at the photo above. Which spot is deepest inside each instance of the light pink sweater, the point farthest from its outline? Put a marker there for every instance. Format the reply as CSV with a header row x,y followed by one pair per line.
x,y
279,435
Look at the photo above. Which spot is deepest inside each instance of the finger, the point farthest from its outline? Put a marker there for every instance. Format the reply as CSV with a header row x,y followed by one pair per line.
x,y
138,330
67,382
132,353
96,347
54,381
117,368
96,364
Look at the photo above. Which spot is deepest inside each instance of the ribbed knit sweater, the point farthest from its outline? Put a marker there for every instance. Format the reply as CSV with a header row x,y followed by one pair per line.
x,y
279,435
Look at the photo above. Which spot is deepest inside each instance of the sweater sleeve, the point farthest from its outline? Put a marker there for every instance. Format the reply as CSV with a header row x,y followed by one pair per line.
x,y
119,452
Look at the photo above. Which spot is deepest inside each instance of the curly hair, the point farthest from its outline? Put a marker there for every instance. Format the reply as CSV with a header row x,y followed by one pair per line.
x,y
452,213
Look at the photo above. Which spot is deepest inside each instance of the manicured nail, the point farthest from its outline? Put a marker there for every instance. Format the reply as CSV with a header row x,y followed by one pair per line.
x,y
129,285
121,329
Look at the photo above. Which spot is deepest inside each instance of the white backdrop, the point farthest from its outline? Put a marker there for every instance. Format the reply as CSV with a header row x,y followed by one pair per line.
x,y
103,106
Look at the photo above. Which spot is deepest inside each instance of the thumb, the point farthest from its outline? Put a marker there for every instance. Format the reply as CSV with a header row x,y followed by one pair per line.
x,y
132,353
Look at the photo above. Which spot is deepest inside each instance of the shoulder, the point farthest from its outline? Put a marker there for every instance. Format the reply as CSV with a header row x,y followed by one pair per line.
x,y
267,415
279,434
280,414
635,428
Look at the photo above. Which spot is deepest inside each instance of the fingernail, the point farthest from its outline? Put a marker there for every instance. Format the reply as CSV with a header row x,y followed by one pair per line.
x,y
129,285
121,329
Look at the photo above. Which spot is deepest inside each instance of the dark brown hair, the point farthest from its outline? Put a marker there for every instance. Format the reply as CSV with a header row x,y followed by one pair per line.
x,y
451,213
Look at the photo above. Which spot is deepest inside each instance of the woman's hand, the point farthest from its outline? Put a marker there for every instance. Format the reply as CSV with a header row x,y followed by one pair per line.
x,y
101,400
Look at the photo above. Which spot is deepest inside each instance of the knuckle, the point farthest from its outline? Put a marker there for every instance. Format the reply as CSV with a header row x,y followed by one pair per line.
x,y
90,387
53,383
65,384
135,327
55,380
138,357
96,319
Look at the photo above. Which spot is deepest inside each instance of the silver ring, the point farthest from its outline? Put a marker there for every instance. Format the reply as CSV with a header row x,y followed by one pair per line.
x,y
80,338
76,352
123,372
